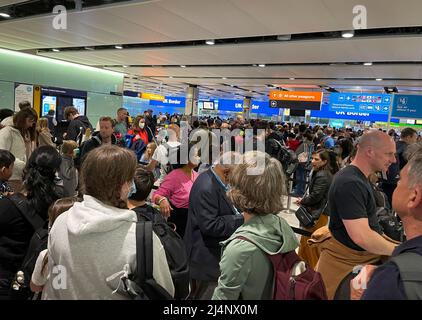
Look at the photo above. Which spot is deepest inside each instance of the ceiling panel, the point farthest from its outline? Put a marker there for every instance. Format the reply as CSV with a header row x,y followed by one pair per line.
x,y
324,51
7,2
178,20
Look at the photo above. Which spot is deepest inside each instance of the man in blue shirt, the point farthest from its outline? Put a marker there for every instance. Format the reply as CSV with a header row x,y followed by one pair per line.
x,y
328,141
386,282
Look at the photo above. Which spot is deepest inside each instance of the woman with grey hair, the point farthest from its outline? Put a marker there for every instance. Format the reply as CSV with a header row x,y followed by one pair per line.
x,y
246,271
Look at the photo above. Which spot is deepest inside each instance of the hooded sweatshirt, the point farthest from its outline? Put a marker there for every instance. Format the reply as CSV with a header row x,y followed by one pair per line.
x,y
93,245
245,270
74,128
11,139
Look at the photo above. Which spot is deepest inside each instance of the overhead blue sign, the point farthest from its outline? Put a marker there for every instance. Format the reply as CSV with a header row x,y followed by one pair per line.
x,y
326,113
257,107
169,102
361,102
407,106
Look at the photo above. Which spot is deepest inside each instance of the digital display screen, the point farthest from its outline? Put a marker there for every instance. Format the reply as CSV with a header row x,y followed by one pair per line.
x,y
48,103
208,105
79,104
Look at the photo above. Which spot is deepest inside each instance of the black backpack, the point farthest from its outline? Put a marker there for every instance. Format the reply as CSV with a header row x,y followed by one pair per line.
x,y
409,264
150,220
387,219
287,158
20,289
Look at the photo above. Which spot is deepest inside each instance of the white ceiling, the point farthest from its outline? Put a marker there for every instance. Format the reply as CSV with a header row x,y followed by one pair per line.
x,y
186,20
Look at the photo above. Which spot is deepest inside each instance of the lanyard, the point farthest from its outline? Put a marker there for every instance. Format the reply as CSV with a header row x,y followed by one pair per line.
x,y
236,211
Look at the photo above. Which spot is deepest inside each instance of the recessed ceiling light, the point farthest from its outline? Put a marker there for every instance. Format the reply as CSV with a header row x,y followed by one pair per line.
x,y
89,48
124,66
284,37
55,50
261,65
210,42
182,66
118,47
171,77
367,64
4,15
292,78
348,34
224,78
378,79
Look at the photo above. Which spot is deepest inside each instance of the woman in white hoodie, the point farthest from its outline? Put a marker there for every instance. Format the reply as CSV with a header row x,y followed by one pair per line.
x,y
18,140
93,245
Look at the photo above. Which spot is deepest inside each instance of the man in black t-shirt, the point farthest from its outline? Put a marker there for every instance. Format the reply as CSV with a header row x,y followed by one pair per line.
x,y
356,234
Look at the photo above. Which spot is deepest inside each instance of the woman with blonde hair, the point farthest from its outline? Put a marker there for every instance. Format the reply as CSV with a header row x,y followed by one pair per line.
x,y
258,186
44,136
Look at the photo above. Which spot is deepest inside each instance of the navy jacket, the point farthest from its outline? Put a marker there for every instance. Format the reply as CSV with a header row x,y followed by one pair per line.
x,y
211,219
385,283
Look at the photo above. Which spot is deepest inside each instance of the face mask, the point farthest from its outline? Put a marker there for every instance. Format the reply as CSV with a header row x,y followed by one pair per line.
x,y
141,125
132,190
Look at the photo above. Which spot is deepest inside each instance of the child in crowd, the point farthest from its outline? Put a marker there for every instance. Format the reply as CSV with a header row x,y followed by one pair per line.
x,y
137,200
7,160
147,157
149,151
44,135
39,276
68,171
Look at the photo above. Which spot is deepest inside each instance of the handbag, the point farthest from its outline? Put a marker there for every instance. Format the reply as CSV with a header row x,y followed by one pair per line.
x,y
305,217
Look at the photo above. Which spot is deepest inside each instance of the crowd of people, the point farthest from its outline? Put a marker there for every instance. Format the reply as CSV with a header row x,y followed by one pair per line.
x,y
84,187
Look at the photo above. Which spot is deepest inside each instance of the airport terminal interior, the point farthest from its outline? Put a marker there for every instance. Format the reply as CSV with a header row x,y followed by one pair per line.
x,y
210,150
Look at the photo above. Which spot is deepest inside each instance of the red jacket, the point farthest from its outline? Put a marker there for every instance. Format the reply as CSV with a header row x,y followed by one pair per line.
x,y
293,144
141,134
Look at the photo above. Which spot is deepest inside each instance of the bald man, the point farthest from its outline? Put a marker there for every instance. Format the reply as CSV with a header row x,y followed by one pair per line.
x,y
356,234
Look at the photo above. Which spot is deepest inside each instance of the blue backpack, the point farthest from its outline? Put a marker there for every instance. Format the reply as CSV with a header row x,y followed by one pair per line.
x,y
138,146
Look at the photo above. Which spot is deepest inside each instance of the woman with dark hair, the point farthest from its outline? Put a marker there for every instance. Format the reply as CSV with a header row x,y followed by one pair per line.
x,y
19,140
40,191
173,194
304,154
346,148
324,166
95,240
139,130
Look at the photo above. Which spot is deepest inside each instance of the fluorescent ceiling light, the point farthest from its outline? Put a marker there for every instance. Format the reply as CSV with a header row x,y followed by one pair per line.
x,y
89,48
348,34
171,77
378,79
292,78
59,62
284,37
4,15
118,47
224,78
182,66
261,65
55,50
367,64
210,42
124,66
